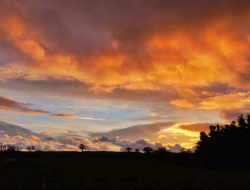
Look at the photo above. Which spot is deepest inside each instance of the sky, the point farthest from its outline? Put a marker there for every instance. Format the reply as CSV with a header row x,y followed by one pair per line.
x,y
117,74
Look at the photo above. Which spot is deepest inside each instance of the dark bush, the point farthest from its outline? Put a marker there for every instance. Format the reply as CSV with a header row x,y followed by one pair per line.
x,y
226,146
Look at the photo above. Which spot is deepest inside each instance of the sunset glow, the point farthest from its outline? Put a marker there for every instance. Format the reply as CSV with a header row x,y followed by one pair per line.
x,y
117,74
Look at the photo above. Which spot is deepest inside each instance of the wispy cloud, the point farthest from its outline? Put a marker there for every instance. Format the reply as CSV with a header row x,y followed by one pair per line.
x,y
91,118
62,115
46,132
9,116
14,106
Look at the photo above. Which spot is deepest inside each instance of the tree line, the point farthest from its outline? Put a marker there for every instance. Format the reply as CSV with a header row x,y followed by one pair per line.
x,y
13,148
226,146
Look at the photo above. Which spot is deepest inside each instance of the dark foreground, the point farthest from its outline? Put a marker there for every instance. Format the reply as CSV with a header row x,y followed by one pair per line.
x,y
110,170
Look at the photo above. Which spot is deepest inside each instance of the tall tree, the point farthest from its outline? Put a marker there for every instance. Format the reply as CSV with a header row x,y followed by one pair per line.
x,y
147,149
128,149
82,147
161,154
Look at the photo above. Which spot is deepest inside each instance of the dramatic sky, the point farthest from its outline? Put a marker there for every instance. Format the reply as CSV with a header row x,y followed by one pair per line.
x,y
112,74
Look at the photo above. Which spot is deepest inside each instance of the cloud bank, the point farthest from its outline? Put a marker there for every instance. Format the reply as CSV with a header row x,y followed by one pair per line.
x,y
129,45
13,106
137,131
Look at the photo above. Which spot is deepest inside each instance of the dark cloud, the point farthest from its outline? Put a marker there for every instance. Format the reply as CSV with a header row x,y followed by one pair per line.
x,y
68,140
14,130
139,144
143,131
102,139
49,139
21,144
11,105
175,148
142,143
230,114
196,127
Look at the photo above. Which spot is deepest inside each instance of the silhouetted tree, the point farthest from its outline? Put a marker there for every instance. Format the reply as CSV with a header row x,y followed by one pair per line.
x,y
161,154
162,150
32,148
228,145
128,149
10,149
137,150
186,150
1,147
28,148
82,147
148,149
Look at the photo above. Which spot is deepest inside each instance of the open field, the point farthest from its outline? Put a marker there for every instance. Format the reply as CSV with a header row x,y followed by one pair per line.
x,y
110,170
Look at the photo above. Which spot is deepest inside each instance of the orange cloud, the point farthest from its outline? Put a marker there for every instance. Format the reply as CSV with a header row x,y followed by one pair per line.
x,y
138,53
167,49
62,115
230,114
9,116
196,127
182,103
13,106
227,101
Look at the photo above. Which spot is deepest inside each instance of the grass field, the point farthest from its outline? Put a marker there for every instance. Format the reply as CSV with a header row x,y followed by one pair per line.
x,y
110,170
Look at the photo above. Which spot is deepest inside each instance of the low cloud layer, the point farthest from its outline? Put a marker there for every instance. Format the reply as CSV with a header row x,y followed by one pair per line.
x,y
138,144
19,136
14,106
14,130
